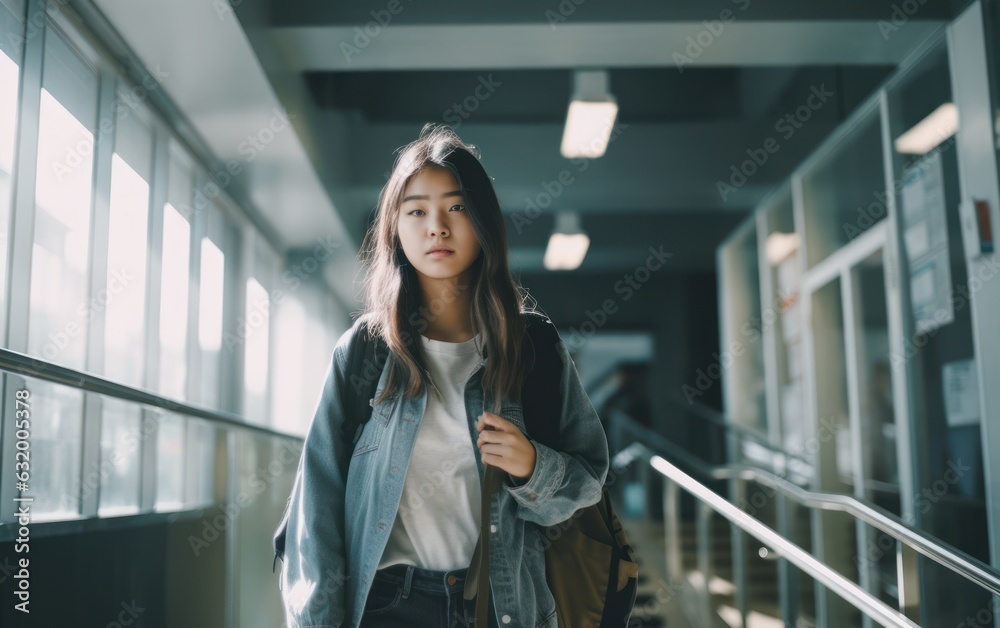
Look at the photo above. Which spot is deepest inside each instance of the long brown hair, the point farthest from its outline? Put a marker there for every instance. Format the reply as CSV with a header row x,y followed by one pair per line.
x,y
394,309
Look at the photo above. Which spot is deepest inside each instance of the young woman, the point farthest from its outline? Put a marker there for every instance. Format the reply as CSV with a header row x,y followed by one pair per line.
x,y
391,543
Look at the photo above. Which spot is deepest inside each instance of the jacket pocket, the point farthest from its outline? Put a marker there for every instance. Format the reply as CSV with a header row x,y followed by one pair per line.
x,y
371,434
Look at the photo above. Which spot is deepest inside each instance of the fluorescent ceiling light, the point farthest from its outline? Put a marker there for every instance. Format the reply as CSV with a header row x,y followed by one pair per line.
x,y
781,245
591,116
941,124
565,251
568,244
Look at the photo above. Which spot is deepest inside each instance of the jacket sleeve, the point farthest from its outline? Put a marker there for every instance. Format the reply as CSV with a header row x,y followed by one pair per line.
x,y
314,569
571,478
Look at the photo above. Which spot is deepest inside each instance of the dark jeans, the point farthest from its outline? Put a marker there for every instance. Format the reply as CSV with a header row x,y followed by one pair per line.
x,y
405,596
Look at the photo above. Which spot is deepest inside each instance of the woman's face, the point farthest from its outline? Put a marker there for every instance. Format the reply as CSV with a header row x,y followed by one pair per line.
x,y
433,215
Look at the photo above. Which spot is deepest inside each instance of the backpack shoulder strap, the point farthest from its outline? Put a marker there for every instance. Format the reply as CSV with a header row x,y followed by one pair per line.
x,y
543,374
366,357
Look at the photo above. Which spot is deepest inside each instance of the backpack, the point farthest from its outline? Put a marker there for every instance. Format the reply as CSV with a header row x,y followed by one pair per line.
x,y
591,570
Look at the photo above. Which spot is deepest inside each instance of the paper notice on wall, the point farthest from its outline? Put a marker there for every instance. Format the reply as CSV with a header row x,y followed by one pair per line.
x,y
925,238
961,392
932,305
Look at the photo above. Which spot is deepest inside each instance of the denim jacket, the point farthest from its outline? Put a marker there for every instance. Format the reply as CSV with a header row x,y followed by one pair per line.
x,y
338,527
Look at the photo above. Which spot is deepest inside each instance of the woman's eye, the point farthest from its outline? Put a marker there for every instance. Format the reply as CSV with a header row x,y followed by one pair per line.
x,y
414,212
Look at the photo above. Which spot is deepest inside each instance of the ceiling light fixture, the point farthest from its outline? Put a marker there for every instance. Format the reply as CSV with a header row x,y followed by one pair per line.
x,y
568,244
591,116
925,135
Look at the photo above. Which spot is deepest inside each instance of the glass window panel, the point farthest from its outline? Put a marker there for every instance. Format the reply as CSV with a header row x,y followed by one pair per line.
x,y
211,295
744,324
830,373
832,427
170,463
9,77
133,137
56,438
951,494
71,81
782,255
256,332
289,358
174,303
201,463
126,281
15,7
60,310
844,194
121,453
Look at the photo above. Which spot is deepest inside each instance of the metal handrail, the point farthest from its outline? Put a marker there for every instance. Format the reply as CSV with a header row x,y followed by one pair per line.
x,y
30,366
950,557
849,591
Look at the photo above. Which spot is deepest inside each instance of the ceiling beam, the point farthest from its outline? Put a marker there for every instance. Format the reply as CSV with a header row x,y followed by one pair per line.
x,y
371,47
431,12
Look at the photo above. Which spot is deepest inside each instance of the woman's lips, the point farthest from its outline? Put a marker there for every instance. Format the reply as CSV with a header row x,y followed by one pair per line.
x,y
442,253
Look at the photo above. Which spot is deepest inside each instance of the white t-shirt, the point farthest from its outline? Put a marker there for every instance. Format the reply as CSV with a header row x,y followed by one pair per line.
x,y
437,524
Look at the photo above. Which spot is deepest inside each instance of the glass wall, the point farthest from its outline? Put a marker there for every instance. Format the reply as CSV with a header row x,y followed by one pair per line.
x,y
132,270
781,253
939,348
131,172
64,194
125,312
843,193
743,332
175,281
211,284
10,75
871,366
255,331
60,310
